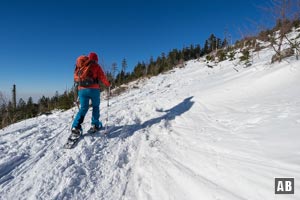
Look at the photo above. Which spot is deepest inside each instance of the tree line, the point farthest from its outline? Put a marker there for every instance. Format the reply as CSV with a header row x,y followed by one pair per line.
x,y
165,61
10,113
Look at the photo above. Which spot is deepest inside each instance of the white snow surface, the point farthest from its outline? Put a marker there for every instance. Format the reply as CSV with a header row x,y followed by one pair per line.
x,y
192,133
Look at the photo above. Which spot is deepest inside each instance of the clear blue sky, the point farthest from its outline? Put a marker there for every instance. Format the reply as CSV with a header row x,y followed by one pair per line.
x,y
40,40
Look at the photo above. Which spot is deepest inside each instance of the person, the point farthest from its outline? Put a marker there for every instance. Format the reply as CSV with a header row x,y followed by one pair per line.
x,y
90,92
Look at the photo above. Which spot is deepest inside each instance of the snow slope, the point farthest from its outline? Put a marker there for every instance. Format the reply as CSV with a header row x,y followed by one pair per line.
x,y
193,133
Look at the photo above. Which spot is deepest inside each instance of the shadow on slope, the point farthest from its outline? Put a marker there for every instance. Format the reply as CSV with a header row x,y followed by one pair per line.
x,y
170,114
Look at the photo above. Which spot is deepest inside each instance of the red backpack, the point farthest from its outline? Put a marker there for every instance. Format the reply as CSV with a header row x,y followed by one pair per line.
x,y
83,75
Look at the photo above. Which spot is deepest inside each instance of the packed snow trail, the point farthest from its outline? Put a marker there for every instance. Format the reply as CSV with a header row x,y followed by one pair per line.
x,y
191,133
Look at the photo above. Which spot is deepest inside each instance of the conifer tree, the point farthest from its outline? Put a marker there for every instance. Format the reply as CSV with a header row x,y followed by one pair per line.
x,y
206,48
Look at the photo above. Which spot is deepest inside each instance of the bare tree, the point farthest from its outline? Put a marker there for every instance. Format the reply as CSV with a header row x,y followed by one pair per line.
x,y
114,71
284,12
124,65
294,44
3,111
14,97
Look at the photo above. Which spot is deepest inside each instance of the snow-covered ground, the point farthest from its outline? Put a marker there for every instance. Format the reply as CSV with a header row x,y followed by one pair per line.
x,y
192,133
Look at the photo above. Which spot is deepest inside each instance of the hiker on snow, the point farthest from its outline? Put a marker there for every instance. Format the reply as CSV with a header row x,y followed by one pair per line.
x,y
87,75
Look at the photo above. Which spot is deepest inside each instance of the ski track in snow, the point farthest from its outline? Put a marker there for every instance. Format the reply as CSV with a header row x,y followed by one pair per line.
x,y
192,133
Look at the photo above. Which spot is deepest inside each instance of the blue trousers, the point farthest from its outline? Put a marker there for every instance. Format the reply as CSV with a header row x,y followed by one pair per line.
x,y
84,96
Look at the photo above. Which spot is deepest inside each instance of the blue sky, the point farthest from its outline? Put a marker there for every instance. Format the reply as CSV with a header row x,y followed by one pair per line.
x,y
40,40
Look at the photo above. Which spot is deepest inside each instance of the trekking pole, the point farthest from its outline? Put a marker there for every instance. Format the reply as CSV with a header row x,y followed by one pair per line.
x,y
106,125
76,97
76,100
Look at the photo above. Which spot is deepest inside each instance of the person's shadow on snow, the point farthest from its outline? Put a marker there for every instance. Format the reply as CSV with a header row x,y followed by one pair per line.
x,y
170,114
